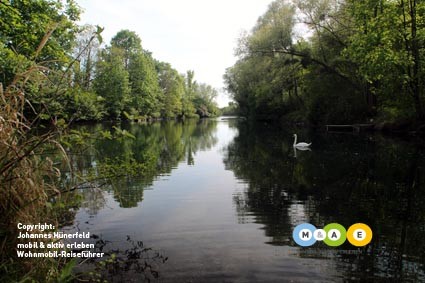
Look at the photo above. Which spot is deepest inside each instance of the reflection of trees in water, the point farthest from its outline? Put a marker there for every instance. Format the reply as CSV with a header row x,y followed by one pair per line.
x,y
93,200
256,156
345,179
157,148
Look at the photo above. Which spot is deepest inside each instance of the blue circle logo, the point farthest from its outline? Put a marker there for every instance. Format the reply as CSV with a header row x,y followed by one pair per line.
x,y
303,235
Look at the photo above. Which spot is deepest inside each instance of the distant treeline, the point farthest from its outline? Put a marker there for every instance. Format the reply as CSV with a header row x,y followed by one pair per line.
x,y
84,80
333,61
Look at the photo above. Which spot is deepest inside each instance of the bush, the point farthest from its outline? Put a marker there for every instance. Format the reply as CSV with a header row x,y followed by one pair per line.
x,y
332,101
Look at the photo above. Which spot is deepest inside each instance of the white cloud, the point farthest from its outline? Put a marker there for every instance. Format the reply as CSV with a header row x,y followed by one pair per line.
x,y
189,34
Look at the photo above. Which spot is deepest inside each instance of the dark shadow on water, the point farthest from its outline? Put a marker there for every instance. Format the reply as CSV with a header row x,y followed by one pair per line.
x,y
345,179
132,261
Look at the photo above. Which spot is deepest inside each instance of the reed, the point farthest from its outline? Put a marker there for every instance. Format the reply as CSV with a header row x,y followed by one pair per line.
x,y
28,180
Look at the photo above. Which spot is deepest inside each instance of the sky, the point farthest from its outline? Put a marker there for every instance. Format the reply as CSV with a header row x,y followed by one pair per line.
x,y
198,35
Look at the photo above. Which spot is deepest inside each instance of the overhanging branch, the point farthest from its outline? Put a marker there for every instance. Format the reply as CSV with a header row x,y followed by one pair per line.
x,y
326,66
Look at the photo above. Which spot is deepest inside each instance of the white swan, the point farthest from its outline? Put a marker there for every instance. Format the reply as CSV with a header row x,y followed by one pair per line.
x,y
300,145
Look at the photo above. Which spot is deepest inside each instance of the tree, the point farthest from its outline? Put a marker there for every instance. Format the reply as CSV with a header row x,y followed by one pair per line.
x,y
204,100
230,110
38,33
24,25
128,41
188,110
87,47
112,81
386,48
198,98
145,90
361,59
142,76
172,87
264,81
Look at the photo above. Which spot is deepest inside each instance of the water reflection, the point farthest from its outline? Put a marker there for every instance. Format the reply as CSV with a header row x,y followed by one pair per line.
x,y
345,179
159,147
221,198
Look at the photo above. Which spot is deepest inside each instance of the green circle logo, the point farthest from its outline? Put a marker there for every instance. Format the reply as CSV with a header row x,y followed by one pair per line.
x,y
335,234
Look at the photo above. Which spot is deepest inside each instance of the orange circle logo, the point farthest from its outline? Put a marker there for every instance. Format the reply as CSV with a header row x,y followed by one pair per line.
x,y
359,234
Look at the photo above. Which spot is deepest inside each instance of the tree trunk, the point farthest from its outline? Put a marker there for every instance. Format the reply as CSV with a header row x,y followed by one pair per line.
x,y
415,84
370,98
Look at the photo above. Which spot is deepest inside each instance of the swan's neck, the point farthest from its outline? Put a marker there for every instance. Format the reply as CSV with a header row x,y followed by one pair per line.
x,y
295,140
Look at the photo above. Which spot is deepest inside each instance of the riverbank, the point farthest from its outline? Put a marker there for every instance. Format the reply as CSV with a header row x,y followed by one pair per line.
x,y
406,127
401,127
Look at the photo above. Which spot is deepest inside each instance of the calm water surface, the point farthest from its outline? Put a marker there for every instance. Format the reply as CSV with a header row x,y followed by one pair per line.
x,y
225,196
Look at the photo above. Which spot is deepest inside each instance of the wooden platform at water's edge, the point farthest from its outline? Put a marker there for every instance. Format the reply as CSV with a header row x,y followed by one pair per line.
x,y
357,128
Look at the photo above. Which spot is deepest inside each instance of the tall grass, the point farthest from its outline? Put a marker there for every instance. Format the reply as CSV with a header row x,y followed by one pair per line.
x,y
27,179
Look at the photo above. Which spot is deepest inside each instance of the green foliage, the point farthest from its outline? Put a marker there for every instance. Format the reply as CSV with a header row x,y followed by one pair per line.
x,y
273,29
45,32
53,72
86,50
84,105
172,86
265,82
137,87
203,100
29,180
112,82
38,35
11,64
145,89
362,59
129,42
86,82
388,51
327,92
230,110
118,168
198,99
66,272
24,24
129,156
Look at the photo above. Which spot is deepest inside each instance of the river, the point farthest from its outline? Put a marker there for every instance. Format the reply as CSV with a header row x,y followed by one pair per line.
x,y
225,196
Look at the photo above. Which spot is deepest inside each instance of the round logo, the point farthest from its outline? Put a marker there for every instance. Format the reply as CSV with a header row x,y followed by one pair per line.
x,y
335,234
359,234
303,235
